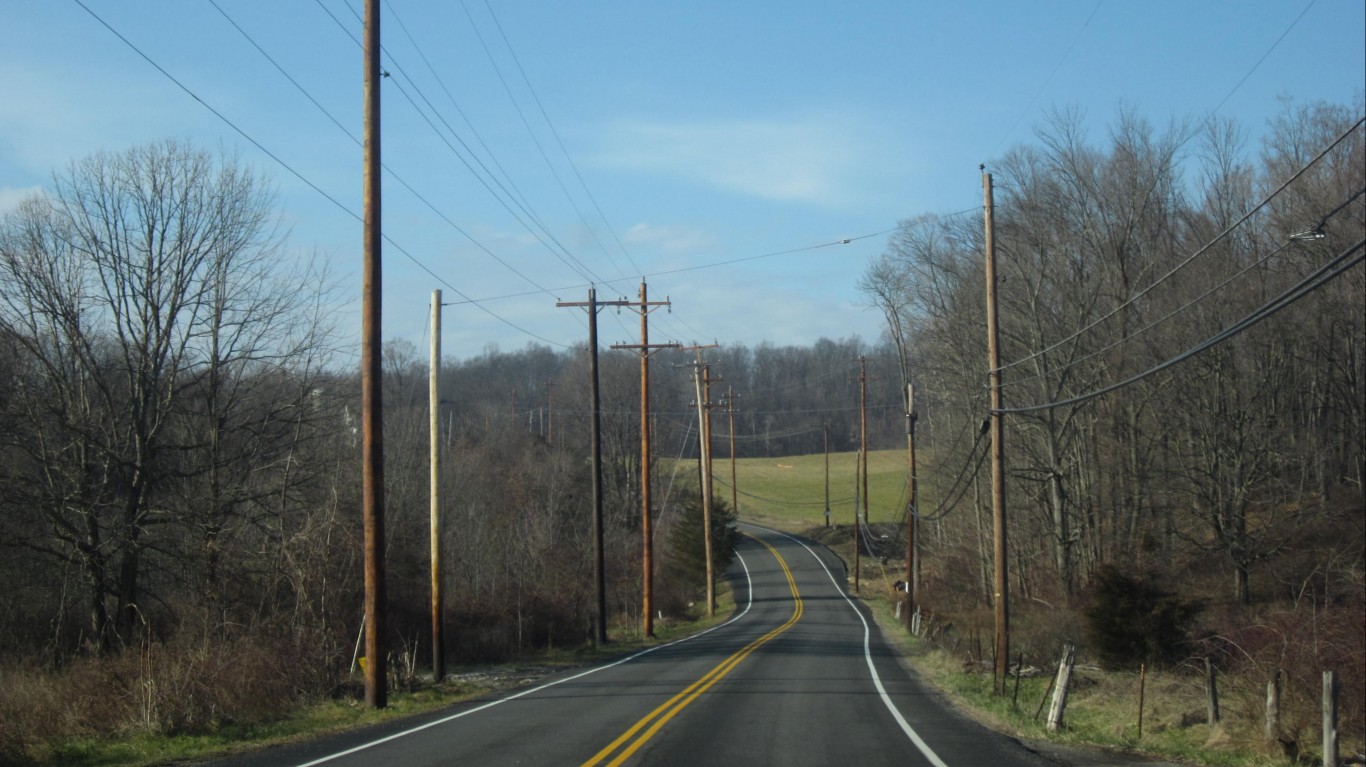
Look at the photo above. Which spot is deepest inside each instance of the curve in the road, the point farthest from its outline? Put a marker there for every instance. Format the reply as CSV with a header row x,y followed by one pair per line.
x,y
867,651
533,690
653,721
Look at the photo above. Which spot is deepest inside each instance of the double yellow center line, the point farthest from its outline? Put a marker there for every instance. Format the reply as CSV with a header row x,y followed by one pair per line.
x,y
640,733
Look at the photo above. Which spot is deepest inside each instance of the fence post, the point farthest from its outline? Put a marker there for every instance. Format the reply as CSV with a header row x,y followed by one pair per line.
x,y
1211,694
1059,705
1330,719
1142,684
1273,706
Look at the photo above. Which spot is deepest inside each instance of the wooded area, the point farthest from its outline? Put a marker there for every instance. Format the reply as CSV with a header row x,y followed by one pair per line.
x,y
1231,477
179,464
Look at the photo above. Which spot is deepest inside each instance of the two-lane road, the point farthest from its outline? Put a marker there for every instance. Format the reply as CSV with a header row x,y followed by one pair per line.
x,y
798,677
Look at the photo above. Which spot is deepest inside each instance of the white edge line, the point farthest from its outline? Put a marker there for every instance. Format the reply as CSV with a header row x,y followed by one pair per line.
x,y
749,589
867,654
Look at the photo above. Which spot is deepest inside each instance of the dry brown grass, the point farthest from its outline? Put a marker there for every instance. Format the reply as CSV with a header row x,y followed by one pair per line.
x,y
182,687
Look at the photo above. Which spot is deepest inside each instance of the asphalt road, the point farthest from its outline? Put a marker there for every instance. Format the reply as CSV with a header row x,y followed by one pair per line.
x,y
799,677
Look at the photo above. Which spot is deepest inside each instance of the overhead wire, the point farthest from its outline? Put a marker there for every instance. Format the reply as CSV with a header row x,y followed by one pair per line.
x,y
532,134
1160,320
392,173
711,265
1140,331
949,502
456,105
562,253
1056,67
1324,274
1263,58
526,80
290,169
1189,259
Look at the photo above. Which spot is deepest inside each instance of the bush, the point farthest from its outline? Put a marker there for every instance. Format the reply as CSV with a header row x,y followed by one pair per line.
x,y
1134,620
686,568
185,686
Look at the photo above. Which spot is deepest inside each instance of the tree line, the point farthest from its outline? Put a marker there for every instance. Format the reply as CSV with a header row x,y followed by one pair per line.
x,y
180,436
1115,256
180,430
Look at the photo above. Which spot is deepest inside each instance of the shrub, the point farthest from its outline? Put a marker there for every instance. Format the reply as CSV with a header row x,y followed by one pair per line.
x,y
686,567
1132,619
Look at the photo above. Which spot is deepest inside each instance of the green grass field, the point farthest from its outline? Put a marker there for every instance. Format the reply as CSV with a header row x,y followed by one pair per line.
x,y
789,492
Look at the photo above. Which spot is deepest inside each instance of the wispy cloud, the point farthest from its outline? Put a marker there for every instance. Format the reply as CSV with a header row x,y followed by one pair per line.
x,y
668,239
816,160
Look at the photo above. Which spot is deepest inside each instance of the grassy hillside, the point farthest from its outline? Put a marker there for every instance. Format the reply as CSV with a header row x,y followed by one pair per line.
x,y
789,492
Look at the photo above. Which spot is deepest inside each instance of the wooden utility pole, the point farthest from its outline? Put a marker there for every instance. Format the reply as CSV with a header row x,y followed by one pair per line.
x,y
372,406
549,415
858,475
730,414
863,458
434,406
912,510
646,522
1001,586
825,440
702,384
595,404
704,445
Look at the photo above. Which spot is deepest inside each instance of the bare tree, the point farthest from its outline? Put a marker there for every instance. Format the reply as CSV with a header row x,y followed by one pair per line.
x,y
144,301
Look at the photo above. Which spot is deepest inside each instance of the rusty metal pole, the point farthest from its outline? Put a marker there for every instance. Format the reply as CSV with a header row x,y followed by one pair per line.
x,y
434,406
647,529
372,406
1001,583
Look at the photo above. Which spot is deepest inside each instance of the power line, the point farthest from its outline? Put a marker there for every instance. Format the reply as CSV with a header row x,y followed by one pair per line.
x,y
400,179
1075,39
563,253
286,74
949,501
299,175
1317,228
714,264
451,98
1324,274
556,134
1235,88
1186,262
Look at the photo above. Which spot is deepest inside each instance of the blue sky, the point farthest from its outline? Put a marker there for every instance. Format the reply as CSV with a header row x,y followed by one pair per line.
x,y
684,134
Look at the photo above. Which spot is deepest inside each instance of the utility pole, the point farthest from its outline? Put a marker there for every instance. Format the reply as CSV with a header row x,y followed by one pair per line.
x,y
863,458
912,510
730,414
858,475
434,406
372,405
646,523
825,439
998,481
702,384
595,404
549,415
